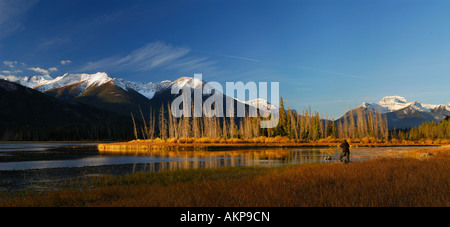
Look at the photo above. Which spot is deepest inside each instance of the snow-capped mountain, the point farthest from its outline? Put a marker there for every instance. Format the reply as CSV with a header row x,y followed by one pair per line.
x,y
28,81
402,114
85,81
395,103
261,103
120,95
148,90
194,83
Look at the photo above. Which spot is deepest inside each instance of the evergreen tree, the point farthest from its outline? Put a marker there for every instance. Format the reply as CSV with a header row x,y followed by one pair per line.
x,y
280,130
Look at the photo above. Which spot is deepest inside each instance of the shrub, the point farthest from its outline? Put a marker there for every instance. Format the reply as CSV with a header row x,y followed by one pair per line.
x,y
203,140
158,140
216,140
171,140
260,139
181,140
235,140
190,140
278,139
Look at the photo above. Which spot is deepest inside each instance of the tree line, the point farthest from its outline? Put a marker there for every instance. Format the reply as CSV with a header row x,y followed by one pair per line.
x,y
306,126
428,130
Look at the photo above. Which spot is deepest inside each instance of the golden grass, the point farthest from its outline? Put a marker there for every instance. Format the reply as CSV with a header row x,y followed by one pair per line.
x,y
207,143
385,182
286,140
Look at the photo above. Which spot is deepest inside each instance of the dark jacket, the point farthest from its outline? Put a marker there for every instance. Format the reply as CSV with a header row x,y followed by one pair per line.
x,y
345,147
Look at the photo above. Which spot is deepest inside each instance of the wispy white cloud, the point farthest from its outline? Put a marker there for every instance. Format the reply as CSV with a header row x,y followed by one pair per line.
x,y
66,62
39,70
10,64
43,71
17,67
9,72
152,56
9,77
13,68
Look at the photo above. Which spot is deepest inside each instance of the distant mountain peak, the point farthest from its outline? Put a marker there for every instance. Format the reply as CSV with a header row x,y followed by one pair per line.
x,y
395,103
261,103
403,114
27,81
148,90
392,103
192,82
392,100
67,79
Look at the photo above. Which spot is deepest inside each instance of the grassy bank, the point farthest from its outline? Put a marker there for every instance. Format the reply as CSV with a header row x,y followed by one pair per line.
x,y
412,182
205,144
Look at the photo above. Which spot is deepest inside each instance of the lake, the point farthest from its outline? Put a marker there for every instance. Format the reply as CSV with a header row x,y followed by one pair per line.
x,y
41,166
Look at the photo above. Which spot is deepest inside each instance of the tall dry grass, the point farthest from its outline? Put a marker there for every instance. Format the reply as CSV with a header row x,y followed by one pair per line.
x,y
286,140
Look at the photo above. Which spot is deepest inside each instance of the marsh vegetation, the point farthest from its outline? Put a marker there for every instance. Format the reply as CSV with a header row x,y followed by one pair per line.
x,y
416,181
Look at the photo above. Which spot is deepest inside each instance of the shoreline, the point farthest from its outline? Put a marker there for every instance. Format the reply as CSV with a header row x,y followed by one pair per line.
x,y
196,146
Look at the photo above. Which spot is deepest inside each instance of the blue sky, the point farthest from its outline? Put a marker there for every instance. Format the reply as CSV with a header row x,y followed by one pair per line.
x,y
329,56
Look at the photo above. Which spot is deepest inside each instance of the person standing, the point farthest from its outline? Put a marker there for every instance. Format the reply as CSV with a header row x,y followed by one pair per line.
x,y
345,152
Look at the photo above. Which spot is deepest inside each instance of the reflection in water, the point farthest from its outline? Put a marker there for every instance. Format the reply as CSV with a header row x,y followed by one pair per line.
x,y
22,157
205,159
9,147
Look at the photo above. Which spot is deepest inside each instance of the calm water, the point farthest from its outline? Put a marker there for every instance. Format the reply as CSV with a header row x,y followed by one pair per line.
x,y
41,165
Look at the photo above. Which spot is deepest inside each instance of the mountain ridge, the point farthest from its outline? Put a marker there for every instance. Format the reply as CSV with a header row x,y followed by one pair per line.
x,y
71,86
395,103
402,114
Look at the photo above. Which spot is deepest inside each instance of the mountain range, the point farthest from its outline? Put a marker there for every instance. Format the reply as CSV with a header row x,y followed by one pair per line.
x,y
401,114
114,96
101,97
